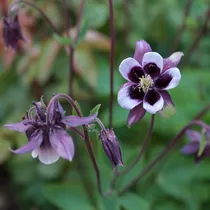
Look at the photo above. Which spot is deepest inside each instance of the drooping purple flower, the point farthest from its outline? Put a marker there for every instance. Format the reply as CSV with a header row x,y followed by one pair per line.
x,y
192,148
111,147
49,140
149,77
12,31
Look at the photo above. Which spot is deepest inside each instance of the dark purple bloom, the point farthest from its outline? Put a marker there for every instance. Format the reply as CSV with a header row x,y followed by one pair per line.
x,y
111,146
12,32
149,77
192,148
49,140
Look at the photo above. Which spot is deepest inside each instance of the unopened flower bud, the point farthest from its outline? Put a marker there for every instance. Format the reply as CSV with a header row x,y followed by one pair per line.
x,y
111,146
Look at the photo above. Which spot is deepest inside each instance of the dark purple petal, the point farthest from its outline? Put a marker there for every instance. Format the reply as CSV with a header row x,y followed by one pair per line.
x,y
40,111
136,114
191,148
153,101
129,96
56,112
170,79
194,136
20,126
136,93
152,70
142,47
152,63
130,69
74,121
163,81
62,143
206,151
172,61
135,73
35,142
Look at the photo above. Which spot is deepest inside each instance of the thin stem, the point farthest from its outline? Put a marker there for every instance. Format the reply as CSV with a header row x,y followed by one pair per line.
x,y
196,42
78,132
86,136
183,26
165,151
70,48
100,124
143,148
112,33
202,112
141,152
31,4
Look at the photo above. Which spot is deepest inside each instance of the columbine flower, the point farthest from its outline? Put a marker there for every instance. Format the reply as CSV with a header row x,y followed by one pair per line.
x,y
111,146
193,147
149,77
49,140
12,31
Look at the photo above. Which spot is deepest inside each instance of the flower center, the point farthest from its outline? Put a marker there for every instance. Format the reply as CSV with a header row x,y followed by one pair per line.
x,y
145,83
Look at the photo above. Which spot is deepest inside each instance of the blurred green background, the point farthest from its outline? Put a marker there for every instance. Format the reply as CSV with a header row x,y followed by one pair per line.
x,y
41,68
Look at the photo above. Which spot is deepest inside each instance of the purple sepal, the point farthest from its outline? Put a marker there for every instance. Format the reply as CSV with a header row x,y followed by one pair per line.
x,y
20,126
74,121
142,47
191,148
166,97
194,136
172,61
35,142
136,114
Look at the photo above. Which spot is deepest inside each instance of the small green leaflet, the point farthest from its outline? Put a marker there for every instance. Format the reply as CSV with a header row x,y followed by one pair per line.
x,y
63,40
95,109
202,143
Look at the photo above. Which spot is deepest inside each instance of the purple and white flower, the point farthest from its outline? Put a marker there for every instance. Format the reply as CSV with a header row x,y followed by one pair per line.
x,y
149,78
48,140
192,148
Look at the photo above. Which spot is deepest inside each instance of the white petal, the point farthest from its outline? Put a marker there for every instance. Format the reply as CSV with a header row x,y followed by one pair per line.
x,y
126,66
153,57
124,98
176,76
48,155
152,109
35,153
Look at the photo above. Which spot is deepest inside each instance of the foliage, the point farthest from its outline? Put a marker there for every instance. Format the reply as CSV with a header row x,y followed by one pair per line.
x,y
41,68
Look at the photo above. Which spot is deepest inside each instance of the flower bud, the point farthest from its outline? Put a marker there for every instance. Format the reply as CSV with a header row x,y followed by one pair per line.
x,y
111,146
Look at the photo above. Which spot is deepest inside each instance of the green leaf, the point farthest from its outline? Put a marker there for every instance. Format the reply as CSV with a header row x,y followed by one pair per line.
x,y
96,14
67,197
111,203
78,106
83,31
131,201
63,40
95,110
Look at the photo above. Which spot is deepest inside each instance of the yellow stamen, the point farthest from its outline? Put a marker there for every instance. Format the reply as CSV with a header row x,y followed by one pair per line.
x,y
145,83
